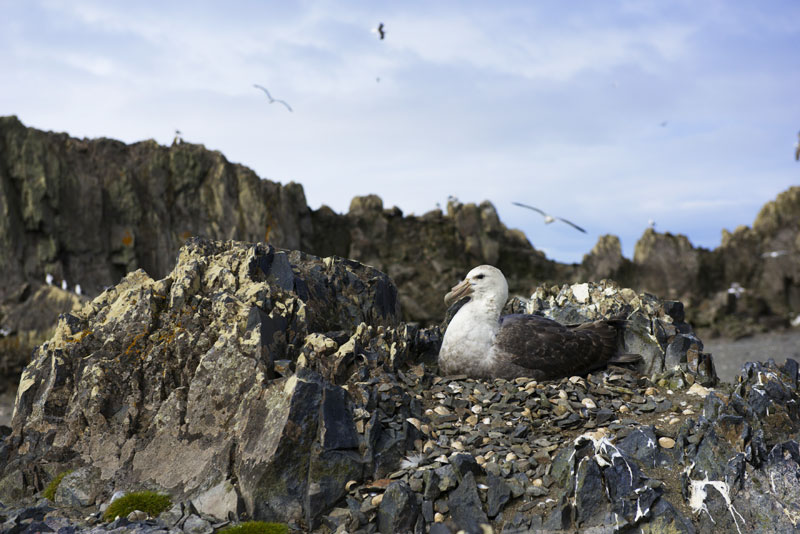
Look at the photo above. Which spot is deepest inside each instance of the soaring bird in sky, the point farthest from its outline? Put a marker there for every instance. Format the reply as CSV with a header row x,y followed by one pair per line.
x,y
549,218
380,31
272,100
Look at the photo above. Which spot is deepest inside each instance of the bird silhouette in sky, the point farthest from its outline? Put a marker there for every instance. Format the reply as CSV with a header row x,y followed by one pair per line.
x,y
380,31
549,218
272,100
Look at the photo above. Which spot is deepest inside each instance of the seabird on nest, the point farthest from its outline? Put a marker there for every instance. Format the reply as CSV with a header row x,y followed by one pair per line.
x,y
481,344
549,218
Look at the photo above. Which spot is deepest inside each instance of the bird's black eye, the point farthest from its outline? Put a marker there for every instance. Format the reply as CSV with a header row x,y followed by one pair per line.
x,y
480,276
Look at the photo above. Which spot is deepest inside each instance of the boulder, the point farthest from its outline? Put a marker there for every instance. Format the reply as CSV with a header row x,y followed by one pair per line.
x,y
655,329
171,384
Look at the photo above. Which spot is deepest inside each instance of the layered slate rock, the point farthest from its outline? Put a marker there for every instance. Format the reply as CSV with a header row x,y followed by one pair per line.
x,y
656,329
174,383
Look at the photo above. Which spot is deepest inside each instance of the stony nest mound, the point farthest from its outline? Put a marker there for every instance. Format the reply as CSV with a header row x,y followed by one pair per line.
x,y
260,383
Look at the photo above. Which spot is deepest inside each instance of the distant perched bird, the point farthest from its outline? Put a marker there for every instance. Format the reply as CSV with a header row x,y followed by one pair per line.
x,y
480,343
549,218
78,290
736,289
64,285
49,279
774,253
380,31
272,100
651,224
178,138
797,148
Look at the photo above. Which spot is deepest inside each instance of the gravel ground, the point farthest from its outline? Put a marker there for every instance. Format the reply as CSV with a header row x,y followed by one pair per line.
x,y
730,355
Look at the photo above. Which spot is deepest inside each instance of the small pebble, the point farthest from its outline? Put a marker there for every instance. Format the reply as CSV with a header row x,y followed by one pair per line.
x,y
589,403
438,517
666,442
137,515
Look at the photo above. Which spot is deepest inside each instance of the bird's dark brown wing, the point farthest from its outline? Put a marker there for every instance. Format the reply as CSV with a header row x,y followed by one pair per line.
x,y
529,345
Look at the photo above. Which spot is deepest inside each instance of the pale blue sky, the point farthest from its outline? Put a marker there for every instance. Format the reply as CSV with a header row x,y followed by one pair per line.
x,y
555,104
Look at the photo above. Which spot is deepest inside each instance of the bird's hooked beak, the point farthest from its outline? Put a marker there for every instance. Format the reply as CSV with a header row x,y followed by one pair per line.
x,y
458,292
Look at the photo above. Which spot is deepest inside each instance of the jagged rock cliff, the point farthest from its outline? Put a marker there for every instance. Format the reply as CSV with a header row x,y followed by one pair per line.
x,y
90,211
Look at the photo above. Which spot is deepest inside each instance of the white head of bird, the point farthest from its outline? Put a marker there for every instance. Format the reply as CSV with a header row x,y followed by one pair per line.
x,y
485,285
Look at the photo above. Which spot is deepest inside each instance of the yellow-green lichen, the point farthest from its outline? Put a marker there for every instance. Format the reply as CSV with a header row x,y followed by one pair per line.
x,y
150,502
256,527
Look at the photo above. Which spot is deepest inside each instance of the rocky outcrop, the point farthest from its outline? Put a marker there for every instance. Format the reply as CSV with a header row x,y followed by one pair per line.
x,y
176,383
605,261
655,329
425,255
90,211
282,386
750,283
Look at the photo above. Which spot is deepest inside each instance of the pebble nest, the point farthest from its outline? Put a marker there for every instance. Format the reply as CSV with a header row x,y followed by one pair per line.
x,y
507,434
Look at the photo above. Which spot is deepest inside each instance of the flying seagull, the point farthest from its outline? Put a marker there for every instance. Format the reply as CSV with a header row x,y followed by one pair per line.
x,y
380,31
272,100
549,218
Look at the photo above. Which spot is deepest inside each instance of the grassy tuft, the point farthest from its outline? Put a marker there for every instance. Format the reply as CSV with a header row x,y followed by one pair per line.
x,y
256,527
49,492
149,502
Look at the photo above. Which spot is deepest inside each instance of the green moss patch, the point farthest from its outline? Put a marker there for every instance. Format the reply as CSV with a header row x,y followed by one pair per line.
x,y
256,527
150,502
49,492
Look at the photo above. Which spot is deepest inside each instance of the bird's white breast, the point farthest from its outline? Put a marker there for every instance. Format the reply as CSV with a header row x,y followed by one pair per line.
x,y
468,341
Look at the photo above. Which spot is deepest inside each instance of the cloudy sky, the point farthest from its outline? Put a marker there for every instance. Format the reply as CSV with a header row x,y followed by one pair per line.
x,y
605,113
